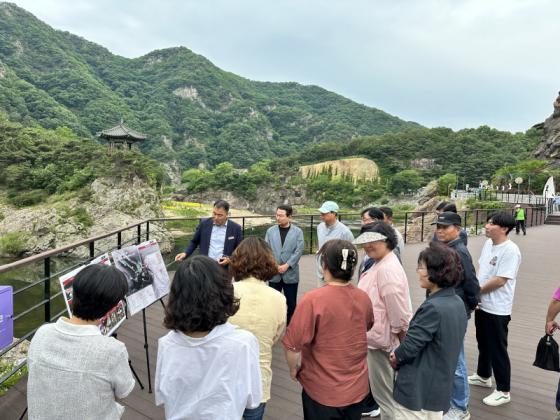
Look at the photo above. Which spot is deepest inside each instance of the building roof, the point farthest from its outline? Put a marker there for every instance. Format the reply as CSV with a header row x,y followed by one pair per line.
x,y
121,131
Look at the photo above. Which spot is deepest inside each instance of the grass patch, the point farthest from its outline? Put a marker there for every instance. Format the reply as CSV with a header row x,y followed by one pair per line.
x,y
5,368
14,243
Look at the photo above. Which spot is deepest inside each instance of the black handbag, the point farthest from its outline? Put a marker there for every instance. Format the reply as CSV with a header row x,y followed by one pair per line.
x,y
547,354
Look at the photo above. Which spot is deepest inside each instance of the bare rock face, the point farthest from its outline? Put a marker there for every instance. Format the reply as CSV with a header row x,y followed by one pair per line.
x,y
113,204
356,168
550,147
266,202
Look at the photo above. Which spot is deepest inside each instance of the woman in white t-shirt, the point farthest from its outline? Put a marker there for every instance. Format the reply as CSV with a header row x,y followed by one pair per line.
x,y
206,367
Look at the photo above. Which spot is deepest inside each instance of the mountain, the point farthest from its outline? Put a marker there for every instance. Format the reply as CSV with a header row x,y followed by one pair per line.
x,y
193,112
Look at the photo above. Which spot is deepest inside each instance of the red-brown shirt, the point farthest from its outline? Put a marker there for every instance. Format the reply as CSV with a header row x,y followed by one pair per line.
x,y
329,329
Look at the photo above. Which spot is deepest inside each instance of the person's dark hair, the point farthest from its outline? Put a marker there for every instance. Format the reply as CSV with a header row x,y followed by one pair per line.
x,y
373,212
450,207
441,205
388,211
201,296
443,264
385,229
96,289
332,258
222,204
253,258
502,219
287,208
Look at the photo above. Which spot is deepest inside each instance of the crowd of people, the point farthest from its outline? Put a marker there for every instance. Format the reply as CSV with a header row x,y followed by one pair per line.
x,y
356,347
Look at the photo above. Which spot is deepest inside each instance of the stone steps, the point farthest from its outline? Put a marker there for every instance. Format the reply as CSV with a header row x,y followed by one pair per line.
x,y
552,219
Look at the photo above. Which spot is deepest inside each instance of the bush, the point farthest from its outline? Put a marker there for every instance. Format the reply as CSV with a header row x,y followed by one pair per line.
x,y
26,198
14,243
83,217
474,204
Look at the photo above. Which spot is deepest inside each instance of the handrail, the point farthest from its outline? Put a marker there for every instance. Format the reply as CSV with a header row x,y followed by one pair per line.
x,y
25,261
537,216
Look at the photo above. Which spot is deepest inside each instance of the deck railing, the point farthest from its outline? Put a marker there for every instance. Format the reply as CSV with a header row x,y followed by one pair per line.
x,y
51,300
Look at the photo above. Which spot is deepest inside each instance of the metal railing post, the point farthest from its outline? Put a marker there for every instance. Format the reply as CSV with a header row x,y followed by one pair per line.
x,y
92,249
119,240
405,225
243,225
475,222
139,234
422,232
47,288
148,230
311,236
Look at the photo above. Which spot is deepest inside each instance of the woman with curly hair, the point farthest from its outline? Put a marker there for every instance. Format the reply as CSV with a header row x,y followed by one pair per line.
x,y
325,344
206,367
262,309
427,357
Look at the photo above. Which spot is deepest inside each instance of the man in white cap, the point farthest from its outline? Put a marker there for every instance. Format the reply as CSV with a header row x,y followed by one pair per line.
x,y
330,228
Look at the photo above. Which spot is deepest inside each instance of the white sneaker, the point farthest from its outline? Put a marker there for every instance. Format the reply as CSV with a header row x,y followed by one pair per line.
x,y
479,381
456,414
372,413
497,398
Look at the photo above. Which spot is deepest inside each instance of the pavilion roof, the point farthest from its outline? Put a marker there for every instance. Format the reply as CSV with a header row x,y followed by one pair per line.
x,y
121,131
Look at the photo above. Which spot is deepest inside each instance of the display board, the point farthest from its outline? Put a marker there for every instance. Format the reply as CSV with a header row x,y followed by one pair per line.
x,y
145,272
6,316
113,318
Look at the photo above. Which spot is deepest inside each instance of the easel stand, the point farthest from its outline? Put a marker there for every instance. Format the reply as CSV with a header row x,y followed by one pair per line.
x,y
147,350
132,367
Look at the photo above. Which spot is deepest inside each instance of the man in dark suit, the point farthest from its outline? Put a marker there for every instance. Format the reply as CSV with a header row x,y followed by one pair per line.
x,y
217,237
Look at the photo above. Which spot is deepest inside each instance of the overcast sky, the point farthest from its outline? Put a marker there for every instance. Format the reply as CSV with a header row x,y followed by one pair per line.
x,y
454,63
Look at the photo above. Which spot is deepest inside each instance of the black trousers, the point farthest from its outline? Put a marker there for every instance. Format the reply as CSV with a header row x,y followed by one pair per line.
x,y
491,336
520,224
312,410
290,291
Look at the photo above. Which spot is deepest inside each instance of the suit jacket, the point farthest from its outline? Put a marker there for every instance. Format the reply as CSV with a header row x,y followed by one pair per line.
x,y
289,253
201,237
428,355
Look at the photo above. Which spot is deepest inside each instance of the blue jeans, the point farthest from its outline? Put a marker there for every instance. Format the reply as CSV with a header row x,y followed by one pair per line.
x,y
254,413
461,392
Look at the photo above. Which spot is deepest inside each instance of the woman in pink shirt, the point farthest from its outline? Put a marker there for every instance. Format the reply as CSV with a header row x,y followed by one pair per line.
x,y
325,344
387,287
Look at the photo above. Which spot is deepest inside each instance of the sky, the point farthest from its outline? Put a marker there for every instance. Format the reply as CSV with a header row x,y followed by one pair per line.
x,y
451,63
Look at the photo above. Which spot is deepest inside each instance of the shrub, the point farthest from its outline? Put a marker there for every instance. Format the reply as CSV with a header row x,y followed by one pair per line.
x,y
81,216
26,198
14,243
474,204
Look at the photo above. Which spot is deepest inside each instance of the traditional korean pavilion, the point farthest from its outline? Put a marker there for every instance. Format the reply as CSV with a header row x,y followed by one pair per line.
x,y
121,136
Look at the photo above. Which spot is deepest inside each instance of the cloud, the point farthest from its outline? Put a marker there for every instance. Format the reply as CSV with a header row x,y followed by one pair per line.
x,y
456,63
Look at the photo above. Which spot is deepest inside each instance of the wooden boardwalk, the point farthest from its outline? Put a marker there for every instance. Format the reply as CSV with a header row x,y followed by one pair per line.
x,y
533,390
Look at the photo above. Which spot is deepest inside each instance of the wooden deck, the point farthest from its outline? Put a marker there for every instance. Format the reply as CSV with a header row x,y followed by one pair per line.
x,y
533,390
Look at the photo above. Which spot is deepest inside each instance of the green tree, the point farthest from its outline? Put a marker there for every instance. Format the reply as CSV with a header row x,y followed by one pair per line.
x,y
446,183
408,180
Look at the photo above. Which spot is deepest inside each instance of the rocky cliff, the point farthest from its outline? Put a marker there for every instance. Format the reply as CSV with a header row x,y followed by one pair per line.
x,y
109,205
550,147
355,168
